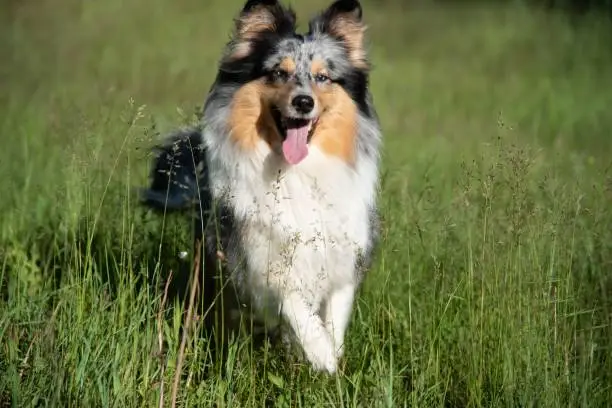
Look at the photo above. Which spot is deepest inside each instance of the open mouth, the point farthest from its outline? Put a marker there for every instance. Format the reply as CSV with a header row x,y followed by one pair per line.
x,y
285,125
296,133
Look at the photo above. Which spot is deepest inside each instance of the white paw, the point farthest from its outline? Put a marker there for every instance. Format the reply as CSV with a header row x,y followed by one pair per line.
x,y
321,355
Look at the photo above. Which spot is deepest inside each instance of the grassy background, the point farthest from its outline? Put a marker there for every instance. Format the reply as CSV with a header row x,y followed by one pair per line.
x,y
492,285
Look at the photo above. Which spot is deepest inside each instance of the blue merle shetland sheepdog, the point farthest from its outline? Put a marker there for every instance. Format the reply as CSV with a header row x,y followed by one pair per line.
x,y
284,173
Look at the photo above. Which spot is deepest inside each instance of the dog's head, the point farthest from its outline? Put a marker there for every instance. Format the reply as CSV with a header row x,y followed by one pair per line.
x,y
294,90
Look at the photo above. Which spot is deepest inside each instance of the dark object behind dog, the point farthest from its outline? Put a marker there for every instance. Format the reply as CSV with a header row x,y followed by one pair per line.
x,y
178,183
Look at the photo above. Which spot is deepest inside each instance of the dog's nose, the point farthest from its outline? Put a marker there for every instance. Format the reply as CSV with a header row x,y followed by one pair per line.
x,y
303,103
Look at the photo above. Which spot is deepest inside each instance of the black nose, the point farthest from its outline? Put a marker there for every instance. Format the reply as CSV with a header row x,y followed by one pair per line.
x,y
303,103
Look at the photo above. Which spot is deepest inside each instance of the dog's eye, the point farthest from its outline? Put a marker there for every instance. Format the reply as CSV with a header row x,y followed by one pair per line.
x,y
322,79
279,75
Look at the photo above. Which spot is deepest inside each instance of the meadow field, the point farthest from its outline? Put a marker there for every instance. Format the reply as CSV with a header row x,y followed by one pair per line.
x,y
492,285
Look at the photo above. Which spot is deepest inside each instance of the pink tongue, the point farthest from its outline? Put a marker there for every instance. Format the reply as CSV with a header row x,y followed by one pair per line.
x,y
295,147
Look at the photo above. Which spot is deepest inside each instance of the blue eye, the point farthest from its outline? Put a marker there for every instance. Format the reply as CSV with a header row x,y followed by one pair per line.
x,y
320,78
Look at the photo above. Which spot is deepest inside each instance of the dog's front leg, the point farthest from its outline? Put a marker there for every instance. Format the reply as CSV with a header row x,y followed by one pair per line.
x,y
309,332
337,314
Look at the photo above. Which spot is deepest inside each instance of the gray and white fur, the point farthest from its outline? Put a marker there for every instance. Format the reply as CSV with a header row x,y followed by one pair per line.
x,y
293,241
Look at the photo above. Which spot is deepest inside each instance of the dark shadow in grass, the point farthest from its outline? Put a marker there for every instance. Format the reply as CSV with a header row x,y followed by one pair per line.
x,y
69,257
97,252
179,185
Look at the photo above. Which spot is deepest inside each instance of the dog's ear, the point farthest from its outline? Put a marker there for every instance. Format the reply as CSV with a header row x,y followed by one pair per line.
x,y
349,8
343,21
257,19
250,4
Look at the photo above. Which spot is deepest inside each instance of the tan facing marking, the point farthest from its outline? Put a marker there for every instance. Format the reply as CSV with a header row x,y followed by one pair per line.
x,y
318,67
336,131
250,120
287,65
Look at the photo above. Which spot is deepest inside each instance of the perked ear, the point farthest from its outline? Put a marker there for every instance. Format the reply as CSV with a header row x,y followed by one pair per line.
x,y
250,4
259,17
342,20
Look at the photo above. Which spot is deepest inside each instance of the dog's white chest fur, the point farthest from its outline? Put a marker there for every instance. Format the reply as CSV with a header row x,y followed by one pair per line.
x,y
303,225
303,228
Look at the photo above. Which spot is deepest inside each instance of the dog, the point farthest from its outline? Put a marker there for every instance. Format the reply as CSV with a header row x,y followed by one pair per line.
x,y
283,172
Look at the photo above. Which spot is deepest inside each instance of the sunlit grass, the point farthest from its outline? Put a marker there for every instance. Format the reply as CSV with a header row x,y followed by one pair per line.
x,y
491,286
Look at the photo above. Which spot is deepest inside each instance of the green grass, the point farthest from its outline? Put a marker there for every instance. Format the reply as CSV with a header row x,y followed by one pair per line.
x,y
492,284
